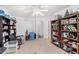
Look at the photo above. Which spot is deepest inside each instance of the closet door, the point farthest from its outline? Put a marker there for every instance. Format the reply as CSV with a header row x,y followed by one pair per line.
x,y
1,39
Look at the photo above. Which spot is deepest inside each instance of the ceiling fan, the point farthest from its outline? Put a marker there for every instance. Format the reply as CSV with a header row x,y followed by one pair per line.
x,y
36,10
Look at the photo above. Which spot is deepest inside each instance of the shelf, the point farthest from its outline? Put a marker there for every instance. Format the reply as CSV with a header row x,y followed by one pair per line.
x,y
72,39
5,29
70,24
8,25
12,25
64,37
58,45
68,31
56,35
5,18
5,24
12,29
70,16
55,30
74,52
54,21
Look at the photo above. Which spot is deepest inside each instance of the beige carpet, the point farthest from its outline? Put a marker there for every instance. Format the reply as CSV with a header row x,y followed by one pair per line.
x,y
39,46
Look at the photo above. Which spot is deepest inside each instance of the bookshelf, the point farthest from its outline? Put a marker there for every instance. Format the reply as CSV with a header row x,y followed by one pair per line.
x,y
7,27
55,32
68,33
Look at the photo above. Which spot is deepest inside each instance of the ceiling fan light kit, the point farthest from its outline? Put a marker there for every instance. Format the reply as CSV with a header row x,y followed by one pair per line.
x,y
36,11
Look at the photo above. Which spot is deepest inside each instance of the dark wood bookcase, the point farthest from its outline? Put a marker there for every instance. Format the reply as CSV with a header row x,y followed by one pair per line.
x,y
7,27
55,33
68,33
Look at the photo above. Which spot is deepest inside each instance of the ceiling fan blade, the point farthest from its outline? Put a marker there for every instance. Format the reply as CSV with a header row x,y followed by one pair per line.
x,y
45,6
36,14
33,14
44,10
41,14
28,11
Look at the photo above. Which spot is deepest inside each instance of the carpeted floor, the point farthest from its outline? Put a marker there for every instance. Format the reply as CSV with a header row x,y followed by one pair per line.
x,y
39,46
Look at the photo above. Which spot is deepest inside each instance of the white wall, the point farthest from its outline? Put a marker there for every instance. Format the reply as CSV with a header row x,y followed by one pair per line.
x,y
43,25
29,23
22,24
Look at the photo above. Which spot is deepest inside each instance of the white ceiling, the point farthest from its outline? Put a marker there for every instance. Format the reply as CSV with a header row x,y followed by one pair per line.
x,y
20,10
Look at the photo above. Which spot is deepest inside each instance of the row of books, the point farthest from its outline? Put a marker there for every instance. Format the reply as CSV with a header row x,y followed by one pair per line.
x,y
55,26
69,46
69,35
6,33
55,38
69,27
68,21
11,22
55,33
6,27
